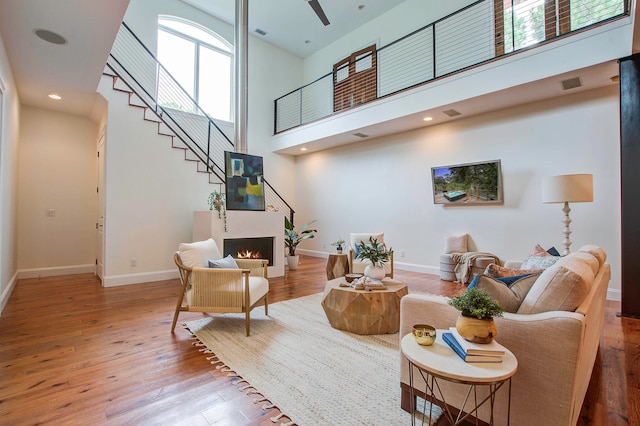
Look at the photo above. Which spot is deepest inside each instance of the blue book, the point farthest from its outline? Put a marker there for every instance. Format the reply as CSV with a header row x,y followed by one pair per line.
x,y
453,344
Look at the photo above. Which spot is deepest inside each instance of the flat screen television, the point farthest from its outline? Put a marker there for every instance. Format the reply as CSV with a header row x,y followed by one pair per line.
x,y
471,183
244,178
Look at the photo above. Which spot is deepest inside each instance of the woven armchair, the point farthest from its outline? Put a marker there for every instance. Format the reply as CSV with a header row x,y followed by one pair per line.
x,y
216,290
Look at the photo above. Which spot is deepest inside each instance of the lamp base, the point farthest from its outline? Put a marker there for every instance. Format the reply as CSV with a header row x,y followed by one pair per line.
x,y
567,229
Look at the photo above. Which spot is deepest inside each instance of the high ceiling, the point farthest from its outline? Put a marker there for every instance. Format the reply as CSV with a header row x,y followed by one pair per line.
x,y
289,24
89,26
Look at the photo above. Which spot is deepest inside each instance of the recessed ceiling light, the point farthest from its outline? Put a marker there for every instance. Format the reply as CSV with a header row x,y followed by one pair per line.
x,y
360,7
428,118
55,96
303,149
50,36
307,41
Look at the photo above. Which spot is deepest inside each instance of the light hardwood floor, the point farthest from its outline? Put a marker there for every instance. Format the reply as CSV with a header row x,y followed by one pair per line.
x,y
75,353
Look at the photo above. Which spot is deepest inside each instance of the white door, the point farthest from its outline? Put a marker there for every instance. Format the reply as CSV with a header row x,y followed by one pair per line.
x,y
100,206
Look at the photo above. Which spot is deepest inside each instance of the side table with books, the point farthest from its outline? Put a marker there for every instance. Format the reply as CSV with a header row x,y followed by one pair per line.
x,y
439,362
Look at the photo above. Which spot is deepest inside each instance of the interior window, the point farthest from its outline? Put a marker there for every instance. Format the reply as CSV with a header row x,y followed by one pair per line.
x,y
200,62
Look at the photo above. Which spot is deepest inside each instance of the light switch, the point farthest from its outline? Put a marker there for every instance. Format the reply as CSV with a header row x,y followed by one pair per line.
x,y
50,213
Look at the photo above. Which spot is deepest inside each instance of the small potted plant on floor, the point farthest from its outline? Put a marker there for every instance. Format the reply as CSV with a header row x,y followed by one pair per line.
x,y
293,237
338,244
377,254
477,310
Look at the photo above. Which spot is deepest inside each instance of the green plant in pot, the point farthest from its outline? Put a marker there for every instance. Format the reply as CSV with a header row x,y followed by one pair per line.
x,y
216,202
377,254
477,310
293,237
338,244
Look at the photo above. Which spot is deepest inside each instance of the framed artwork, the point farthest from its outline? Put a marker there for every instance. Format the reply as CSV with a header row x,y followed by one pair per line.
x,y
244,181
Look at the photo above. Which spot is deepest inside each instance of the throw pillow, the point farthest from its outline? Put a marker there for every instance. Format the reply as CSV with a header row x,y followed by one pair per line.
x,y
538,259
497,271
224,263
508,296
553,252
455,243
196,255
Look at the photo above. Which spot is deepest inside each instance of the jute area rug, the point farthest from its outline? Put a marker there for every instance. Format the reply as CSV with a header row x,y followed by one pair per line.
x,y
312,373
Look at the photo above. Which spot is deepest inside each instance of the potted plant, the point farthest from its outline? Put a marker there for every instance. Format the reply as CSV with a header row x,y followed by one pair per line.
x,y
216,202
477,310
375,253
293,237
338,244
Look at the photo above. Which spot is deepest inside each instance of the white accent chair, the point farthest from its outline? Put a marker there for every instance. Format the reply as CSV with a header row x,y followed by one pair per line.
x,y
217,290
356,266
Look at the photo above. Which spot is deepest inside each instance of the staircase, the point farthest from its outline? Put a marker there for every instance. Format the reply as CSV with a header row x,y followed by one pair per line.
x,y
136,71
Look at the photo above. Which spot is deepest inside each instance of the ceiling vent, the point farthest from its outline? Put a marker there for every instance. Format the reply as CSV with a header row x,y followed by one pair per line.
x,y
451,112
361,135
571,83
50,36
259,31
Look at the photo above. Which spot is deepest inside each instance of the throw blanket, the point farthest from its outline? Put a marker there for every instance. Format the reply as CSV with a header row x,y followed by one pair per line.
x,y
464,263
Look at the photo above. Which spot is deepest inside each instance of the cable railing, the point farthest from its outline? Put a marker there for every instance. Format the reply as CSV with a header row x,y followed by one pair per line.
x,y
139,69
478,33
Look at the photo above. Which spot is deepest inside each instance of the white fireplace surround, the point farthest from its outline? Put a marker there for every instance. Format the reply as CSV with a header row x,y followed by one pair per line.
x,y
243,224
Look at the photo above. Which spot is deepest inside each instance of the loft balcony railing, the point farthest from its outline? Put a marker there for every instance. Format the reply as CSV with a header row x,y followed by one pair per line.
x,y
480,32
139,69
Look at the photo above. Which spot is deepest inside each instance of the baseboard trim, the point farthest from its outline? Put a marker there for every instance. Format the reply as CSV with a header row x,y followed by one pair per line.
x,y
411,267
614,294
56,271
144,277
4,298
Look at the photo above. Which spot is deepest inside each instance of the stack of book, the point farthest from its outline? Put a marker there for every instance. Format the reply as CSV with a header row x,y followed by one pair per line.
x,y
473,352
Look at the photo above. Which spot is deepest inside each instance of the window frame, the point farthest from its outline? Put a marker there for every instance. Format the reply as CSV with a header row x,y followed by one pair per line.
x,y
196,66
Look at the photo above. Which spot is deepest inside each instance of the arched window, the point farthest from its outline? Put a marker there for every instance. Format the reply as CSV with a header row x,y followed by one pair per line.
x,y
200,61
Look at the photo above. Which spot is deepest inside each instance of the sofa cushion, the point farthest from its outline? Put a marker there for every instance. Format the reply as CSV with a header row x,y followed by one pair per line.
x,y
559,288
595,251
508,295
591,260
455,243
197,254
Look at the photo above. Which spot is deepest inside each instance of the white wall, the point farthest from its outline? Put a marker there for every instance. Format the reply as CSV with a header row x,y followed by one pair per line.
x,y
8,179
385,184
151,192
57,171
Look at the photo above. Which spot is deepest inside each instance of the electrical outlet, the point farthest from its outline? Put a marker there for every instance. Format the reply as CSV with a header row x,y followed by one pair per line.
x,y
50,213
402,253
133,262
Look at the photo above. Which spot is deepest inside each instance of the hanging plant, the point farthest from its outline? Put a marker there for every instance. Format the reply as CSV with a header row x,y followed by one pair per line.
x,y
217,202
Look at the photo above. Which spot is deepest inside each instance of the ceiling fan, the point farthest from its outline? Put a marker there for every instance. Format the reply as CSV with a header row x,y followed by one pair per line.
x,y
315,5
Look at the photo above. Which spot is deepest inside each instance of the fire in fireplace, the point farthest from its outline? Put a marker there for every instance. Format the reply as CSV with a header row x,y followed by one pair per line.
x,y
250,248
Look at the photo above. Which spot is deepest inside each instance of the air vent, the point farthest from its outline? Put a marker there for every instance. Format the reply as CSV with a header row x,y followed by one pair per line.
x,y
259,31
361,135
50,36
571,83
451,112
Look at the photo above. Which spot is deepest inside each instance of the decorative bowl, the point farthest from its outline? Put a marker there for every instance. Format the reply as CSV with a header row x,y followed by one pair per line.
x,y
424,334
350,277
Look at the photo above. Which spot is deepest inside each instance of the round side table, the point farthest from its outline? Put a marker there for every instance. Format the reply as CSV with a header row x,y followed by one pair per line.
x,y
440,362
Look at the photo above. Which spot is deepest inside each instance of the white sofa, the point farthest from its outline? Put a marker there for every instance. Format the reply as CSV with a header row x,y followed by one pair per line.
x,y
556,349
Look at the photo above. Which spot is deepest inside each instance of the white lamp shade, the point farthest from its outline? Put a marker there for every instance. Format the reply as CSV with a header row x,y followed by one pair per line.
x,y
567,188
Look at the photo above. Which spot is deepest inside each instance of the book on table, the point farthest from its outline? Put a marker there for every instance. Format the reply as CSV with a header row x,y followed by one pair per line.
x,y
492,348
453,344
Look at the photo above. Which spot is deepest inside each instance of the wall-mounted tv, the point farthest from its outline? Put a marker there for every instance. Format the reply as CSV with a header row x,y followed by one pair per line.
x,y
244,181
471,183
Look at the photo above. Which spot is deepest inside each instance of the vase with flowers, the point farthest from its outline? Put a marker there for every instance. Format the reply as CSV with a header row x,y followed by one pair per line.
x,y
339,244
377,254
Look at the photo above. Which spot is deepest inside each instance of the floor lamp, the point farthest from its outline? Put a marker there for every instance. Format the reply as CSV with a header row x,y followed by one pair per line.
x,y
567,189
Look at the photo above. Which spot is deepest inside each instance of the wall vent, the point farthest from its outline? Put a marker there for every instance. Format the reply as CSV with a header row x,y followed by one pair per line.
x,y
571,83
451,112
361,135
259,31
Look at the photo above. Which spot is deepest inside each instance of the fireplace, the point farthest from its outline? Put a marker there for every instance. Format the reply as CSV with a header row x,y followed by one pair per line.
x,y
251,248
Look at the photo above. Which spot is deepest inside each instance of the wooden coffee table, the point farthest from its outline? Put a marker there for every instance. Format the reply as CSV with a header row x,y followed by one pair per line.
x,y
364,312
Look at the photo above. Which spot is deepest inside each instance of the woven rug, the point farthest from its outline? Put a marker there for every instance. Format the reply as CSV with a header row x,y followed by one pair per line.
x,y
312,373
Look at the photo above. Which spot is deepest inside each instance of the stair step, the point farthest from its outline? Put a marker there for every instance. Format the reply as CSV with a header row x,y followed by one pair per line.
x,y
134,100
190,156
108,71
163,129
120,85
149,115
